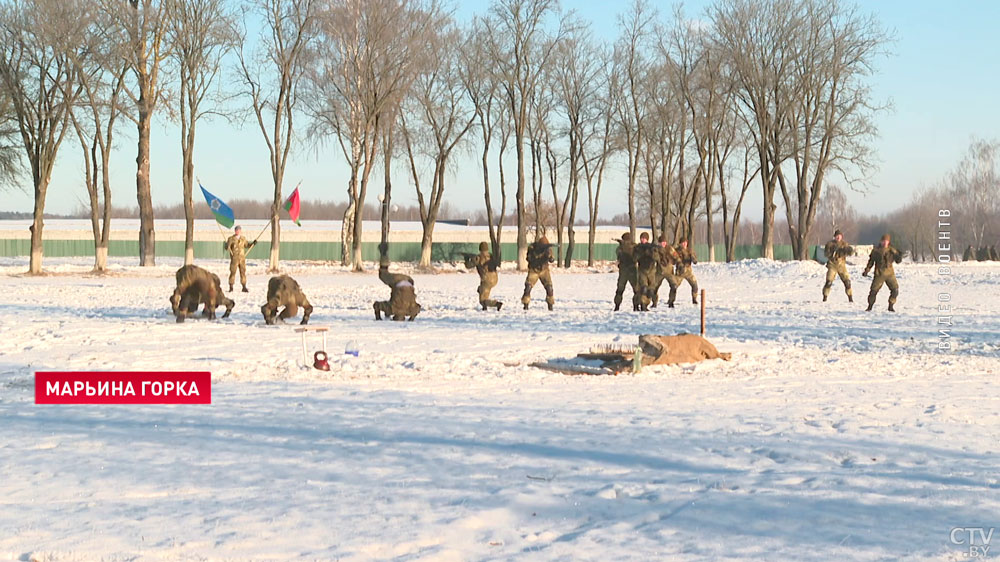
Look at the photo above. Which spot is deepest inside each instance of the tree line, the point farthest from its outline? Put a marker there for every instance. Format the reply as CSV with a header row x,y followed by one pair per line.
x,y
770,95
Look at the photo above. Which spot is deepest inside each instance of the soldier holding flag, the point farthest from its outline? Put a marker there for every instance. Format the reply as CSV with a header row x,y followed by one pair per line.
x,y
237,246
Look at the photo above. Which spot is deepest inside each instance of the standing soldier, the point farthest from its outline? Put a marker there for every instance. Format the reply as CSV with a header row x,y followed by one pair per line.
x,y
682,271
646,258
836,251
666,259
539,257
486,266
237,246
627,274
882,258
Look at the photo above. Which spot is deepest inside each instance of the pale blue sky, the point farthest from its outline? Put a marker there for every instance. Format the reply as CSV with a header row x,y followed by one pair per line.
x,y
943,80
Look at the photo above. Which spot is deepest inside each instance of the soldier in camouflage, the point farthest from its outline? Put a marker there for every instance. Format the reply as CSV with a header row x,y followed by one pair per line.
x,y
627,273
666,260
836,251
646,258
194,287
284,292
402,303
237,246
683,272
882,258
539,257
486,266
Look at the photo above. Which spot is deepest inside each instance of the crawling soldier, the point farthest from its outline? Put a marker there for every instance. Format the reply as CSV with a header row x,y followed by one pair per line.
x,y
283,291
402,303
198,286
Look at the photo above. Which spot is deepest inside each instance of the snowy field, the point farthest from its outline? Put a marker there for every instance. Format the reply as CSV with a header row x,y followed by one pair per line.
x,y
833,434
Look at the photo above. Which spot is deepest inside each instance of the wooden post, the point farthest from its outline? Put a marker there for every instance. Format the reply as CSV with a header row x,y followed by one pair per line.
x,y
703,313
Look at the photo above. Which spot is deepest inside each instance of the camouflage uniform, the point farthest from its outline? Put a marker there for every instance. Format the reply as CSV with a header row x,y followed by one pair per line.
x,y
283,291
487,269
666,258
882,259
836,254
237,247
647,258
539,256
402,303
683,272
196,286
627,273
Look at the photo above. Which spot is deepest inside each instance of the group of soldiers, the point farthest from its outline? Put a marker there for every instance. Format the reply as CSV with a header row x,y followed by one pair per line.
x,y
984,253
644,266
882,258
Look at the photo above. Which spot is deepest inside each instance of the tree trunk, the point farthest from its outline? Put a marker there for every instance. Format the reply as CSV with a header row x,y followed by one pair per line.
x,y
522,234
188,181
426,244
35,263
147,239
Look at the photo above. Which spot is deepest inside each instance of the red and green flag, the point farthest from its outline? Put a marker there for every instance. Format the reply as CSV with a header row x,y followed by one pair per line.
x,y
292,206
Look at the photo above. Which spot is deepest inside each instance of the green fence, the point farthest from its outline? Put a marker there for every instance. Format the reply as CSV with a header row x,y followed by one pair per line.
x,y
330,251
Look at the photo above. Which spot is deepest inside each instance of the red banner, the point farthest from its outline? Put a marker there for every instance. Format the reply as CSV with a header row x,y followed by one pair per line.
x,y
123,387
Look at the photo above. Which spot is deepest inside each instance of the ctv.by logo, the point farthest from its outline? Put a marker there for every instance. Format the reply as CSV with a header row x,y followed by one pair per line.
x,y
976,539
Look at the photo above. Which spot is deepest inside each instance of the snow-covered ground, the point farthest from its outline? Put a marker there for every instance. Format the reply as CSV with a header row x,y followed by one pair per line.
x,y
833,434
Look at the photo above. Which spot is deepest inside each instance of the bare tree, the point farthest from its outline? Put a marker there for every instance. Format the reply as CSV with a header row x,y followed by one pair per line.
x,y
755,38
632,67
101,76
38,75
832,114
10,137
274,97
975,186
597,148
482,88
201,32
731,214
441,118
577,72
368,54
139,27
519,48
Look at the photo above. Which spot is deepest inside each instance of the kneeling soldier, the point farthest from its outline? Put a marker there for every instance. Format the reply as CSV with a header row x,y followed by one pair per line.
x,y
882,258
836,251
283,291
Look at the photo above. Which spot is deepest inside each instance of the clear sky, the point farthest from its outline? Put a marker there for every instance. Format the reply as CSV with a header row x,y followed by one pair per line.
x,y
943,80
